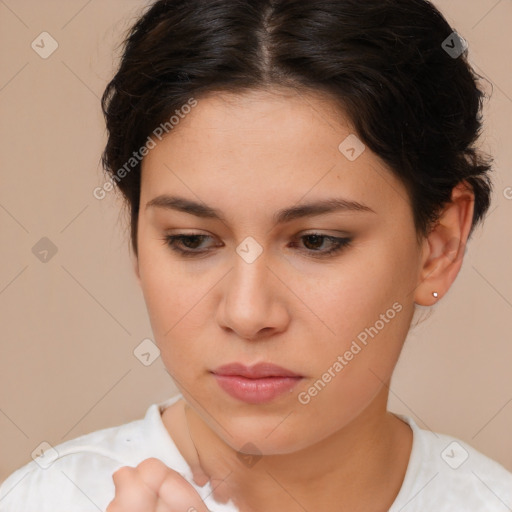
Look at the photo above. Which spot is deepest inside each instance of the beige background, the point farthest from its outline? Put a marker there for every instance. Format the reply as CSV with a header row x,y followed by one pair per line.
x,y
69,326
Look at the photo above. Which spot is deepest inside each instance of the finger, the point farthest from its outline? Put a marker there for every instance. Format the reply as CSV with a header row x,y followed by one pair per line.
x,y
174,492
131,493
220,490
153,472
178,495
162,507
199,476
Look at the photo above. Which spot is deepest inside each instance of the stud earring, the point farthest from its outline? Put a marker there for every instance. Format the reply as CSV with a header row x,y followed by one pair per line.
x,y
435,294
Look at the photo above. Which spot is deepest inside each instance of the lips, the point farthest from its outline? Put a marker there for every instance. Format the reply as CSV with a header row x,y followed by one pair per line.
x,y
257,384
257,371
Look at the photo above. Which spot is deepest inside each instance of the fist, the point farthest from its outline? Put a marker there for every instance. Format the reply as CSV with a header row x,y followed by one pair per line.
x,y
153,487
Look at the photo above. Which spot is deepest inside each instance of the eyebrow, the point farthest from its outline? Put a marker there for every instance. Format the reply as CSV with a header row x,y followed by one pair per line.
x,y
280,217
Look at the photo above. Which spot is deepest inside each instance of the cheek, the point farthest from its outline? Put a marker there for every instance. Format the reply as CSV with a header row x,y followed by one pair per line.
x,y
365,305
168,293
352,295
177,302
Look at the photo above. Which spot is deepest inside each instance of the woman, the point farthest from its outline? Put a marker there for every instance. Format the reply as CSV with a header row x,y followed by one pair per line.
x,y
300,176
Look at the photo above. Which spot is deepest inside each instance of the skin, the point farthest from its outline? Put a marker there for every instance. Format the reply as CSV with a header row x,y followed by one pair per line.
x,y
249,155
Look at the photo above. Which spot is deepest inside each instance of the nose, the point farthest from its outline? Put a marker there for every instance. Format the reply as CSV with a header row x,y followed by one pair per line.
x,y
254,304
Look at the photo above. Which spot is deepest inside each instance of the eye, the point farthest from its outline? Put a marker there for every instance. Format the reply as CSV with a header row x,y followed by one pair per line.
x,y
188,245
190,241
316,240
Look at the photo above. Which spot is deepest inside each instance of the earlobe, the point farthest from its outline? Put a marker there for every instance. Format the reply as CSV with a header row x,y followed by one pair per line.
x,y
445,247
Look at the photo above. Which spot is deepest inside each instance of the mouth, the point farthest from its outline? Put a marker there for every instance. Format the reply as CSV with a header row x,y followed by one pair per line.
x,y
257,371
256,384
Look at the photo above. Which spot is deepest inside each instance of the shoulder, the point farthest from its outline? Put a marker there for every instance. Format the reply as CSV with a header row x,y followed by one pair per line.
x,y
77,474
446,474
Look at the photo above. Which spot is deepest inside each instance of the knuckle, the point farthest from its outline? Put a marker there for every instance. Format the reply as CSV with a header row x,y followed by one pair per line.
x,y
123,476
121,472
112,507
174,488
152,463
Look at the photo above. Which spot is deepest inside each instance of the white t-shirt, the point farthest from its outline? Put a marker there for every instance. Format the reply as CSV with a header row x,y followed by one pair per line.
x,y
443,474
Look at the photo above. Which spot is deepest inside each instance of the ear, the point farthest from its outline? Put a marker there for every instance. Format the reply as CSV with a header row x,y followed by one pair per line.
x,y
445,246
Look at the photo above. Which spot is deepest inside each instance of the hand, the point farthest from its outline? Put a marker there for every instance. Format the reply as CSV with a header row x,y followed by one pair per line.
x,y
153,487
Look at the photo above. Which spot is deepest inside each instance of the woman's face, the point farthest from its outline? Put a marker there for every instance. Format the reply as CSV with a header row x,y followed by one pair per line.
x,y
258,286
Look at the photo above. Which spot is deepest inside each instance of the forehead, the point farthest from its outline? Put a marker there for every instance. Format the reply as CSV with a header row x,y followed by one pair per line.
x,y
282,118
264,112
266,144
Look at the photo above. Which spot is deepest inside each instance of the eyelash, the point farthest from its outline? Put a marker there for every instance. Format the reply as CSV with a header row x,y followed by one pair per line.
x,y
339,244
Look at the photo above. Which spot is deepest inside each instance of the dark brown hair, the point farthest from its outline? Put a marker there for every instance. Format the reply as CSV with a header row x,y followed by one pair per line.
x,y
385,62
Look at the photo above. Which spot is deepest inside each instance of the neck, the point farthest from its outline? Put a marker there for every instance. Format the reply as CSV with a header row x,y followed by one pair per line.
x,y
359,467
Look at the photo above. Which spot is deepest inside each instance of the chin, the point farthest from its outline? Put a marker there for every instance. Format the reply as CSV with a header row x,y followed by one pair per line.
x,y
256,437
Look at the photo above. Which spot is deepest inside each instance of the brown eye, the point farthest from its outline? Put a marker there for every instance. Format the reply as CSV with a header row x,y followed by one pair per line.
x,y
316,244
315,241
190,243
